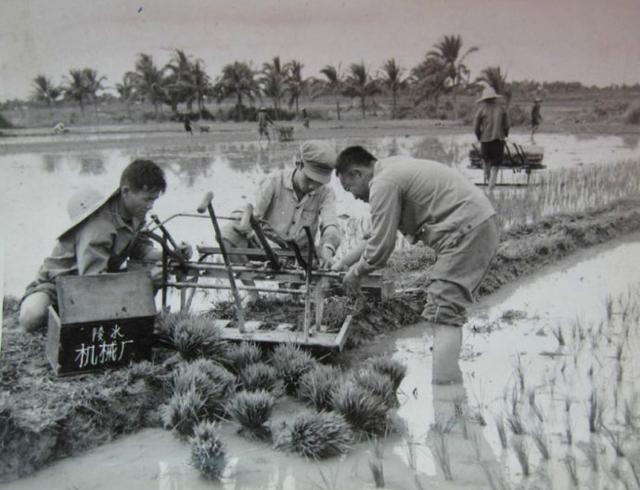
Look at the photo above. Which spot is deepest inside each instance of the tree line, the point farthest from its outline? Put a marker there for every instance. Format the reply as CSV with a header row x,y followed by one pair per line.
x,y
184,80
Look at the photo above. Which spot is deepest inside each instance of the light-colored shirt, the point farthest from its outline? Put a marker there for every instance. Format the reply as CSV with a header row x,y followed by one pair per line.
x,y
101,243
424,200
278,204
491,122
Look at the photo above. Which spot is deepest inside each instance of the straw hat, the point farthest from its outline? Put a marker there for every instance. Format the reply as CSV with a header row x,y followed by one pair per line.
x,y
487,94
319,159
83,204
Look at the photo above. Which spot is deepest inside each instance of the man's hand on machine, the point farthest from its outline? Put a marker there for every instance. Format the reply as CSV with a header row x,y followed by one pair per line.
x,y
185,250
352,281
325,260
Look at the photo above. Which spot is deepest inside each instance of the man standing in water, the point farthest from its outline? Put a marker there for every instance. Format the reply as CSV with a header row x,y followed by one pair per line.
x,y
427,201
103,234
491,126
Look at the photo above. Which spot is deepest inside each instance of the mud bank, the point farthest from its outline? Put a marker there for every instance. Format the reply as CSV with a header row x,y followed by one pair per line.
x,y
43,418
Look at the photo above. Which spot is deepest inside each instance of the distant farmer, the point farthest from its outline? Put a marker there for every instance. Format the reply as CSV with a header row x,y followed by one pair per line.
x,y
187,125
104,232
293,198
491,126
263,121
536,117
305,118
427,201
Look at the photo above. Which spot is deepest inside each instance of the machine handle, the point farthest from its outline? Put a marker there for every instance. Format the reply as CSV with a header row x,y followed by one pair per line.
x,y
206,202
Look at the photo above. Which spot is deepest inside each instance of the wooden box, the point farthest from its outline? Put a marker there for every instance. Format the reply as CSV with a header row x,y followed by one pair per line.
x,y
103,321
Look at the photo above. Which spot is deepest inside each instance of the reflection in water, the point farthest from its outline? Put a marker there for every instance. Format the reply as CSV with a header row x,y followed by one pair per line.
x,y
91,165
630,141
190,169
51,162
430,148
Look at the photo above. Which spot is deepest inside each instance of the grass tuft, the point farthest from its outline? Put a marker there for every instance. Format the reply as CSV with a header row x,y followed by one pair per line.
x,y
258,376
317,386
196,336
317,435
239,356
252,410
291,362
183,411
208,453
364,411
390,367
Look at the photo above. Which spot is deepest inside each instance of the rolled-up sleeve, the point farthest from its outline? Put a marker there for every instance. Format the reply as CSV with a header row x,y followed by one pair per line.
x,y
329,230
266,191
93,244
386,207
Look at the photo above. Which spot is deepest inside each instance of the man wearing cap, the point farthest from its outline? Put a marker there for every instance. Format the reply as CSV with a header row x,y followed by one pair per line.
x,y
491,126
290,199
104,233
431,202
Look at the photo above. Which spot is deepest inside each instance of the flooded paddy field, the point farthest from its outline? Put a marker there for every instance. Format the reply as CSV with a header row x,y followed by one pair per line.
x,y
36,185
547,360
534,411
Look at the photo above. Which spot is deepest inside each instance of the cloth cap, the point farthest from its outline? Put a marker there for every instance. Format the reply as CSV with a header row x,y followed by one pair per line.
x,y
83,204
488,93
319,160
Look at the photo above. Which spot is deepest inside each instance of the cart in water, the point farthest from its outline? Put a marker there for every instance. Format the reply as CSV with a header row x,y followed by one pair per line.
x,y
518,158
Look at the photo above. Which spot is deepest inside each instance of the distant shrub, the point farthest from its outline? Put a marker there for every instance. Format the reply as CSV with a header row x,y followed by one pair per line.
x,y
517,115
632,116
5,123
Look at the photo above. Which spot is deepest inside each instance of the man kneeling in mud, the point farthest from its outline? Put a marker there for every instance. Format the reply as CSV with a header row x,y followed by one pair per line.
x,y
104,233
291,199
431,202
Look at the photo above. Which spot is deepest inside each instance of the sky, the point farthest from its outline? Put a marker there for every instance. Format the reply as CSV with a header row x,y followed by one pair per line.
x,y
596,42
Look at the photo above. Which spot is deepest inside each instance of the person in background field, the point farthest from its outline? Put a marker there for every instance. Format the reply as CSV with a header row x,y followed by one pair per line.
x,y
431,202
104,233
536,118
187,125
305,118
491,126
263,121
291,199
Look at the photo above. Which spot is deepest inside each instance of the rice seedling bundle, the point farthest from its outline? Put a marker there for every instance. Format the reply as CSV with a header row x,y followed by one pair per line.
x,y
317,435
291,363
364,411
208,454
258,376
317,386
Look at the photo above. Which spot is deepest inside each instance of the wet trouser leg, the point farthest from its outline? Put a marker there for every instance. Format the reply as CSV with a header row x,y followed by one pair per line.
x,y
458,271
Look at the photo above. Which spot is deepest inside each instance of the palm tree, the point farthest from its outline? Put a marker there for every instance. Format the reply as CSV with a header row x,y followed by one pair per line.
x,y
237,80
428,80
274,76
93,84
148,80
448,52
75,87
493,76
200,85
334,85
295,84
392,80
359,84
126,90
179,80
44,90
